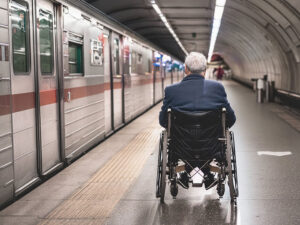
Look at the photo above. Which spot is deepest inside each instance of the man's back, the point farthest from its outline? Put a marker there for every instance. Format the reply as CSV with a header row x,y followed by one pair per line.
x,y
194,93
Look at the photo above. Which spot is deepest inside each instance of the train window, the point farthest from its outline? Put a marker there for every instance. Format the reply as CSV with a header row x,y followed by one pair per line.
x,y
75,58
139,58
46,42
117,56
20,37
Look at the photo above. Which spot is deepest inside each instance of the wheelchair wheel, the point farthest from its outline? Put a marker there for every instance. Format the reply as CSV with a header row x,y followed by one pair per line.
x,y
161,167
232,168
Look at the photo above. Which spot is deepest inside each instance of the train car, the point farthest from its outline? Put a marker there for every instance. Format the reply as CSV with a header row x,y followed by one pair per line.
x,y
70,76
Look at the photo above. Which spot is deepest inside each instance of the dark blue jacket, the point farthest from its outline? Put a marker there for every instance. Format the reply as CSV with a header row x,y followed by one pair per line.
x,y
194,93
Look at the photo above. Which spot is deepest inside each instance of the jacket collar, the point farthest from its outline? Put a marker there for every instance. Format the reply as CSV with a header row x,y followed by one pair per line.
x,y
193,76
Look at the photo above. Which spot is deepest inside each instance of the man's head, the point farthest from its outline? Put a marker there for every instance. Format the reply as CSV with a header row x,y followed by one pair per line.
x,y
195,62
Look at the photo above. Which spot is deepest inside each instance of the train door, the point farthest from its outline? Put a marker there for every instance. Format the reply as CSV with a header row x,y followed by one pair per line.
x,y
107,82
127,90
47,72
6,149
23,94
158,78
117,80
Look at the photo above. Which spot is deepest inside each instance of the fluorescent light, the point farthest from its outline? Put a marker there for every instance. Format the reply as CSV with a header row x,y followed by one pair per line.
x,y
218,12
156,8
216,25
221,2
219,9
165,21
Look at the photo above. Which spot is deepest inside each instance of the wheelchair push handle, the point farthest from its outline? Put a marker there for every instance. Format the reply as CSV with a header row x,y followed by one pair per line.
x,y
224,121
169,122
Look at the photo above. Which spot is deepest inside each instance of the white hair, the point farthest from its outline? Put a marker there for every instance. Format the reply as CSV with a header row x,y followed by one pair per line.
x,y
195,62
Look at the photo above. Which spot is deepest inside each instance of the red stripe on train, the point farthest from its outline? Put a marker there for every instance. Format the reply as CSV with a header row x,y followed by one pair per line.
x,y
4,104
48,97
24,101
80,92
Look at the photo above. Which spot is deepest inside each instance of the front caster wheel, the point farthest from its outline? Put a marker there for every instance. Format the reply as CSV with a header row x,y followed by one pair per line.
x,y
221,189
174,189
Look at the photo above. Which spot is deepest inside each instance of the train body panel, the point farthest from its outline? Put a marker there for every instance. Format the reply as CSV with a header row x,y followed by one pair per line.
x,y
84,82
139,84
167,77
69,78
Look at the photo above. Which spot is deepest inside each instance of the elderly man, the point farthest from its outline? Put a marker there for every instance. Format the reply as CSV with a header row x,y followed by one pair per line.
x,y
194,93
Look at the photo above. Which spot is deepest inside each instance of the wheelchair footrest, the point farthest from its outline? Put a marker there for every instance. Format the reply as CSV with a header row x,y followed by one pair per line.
x,y
180,168
197,184
197,177
215,169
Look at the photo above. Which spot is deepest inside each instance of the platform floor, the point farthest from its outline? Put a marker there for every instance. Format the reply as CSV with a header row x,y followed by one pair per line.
x,y
115,182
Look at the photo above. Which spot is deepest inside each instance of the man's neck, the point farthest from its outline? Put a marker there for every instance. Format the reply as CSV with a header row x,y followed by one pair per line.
x,y
201,74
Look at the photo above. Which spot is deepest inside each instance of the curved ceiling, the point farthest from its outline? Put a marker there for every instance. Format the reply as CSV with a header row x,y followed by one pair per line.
x,y
190,19
256,37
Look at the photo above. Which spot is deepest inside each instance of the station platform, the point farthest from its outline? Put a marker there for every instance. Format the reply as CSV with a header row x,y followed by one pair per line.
x,y
114,183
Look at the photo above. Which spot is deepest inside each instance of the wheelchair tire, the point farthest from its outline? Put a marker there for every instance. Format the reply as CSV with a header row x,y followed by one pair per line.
x,y
234,164
159,167
231,168
163,167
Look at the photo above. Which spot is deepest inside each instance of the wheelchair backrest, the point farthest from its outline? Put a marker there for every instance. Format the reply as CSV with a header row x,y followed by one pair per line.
x,y
195,135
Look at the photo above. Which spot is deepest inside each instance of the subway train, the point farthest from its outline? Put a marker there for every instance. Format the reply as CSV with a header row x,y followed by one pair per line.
x,y
70,76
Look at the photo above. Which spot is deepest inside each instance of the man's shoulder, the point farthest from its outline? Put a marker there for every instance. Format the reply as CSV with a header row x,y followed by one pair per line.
x,y
213,83
172,87
215,87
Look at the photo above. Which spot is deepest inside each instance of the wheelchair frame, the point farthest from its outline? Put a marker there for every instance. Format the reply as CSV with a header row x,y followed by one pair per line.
x,y
227,167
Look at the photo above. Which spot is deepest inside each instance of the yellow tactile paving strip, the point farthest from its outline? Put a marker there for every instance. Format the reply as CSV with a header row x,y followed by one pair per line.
x,y
94,202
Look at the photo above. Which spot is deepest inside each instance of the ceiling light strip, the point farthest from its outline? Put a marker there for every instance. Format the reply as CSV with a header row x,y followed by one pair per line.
x,y
219,9
164,20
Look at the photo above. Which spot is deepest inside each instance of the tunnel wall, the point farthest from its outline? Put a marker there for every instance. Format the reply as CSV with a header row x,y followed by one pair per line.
x,y
259,37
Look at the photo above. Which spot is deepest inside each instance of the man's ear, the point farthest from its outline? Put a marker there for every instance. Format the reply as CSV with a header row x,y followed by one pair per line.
x,y
186,70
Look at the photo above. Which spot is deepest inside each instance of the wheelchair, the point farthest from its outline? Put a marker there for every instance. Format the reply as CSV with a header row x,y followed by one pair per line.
x,y
197,138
